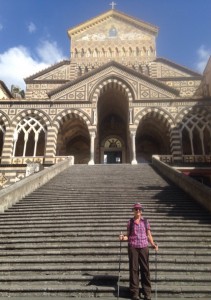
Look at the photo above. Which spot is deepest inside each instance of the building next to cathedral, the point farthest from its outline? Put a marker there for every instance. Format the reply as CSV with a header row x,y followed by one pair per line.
x,y
113,101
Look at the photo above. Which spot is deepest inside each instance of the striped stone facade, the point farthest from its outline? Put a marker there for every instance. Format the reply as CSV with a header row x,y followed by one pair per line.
x,y
114,101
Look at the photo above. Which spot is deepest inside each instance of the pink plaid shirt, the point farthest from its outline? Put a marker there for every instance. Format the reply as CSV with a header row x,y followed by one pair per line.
x,y
138,237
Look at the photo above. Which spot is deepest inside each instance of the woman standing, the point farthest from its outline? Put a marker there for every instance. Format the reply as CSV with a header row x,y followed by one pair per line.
x,y
138,236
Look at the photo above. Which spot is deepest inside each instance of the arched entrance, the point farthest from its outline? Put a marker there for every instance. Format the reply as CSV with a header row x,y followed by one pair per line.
x,y
152,137
74,139
112,129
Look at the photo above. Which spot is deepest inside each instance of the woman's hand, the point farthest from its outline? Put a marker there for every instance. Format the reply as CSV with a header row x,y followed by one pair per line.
x,y
123,237
155,246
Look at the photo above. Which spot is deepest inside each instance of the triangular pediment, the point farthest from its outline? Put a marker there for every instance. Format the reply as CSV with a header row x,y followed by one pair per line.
x,y
59,71
4,91
115,15
142,87
168,69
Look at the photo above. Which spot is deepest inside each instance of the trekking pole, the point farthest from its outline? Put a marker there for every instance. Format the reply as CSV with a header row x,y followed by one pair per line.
x,y
120,252
156,263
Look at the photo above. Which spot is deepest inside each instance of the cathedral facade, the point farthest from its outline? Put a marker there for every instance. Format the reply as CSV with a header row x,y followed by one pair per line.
x,y
113,101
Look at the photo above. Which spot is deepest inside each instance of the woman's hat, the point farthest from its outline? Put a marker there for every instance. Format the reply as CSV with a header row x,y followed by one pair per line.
x,y
138,206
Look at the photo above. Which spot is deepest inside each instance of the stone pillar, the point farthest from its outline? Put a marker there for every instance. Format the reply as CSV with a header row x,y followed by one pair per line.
x,y
50,147
7,147
176,146
130,116
133,139
92,148
94,111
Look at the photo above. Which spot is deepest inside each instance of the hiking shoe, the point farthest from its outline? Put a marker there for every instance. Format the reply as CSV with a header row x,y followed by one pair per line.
x,y
135,297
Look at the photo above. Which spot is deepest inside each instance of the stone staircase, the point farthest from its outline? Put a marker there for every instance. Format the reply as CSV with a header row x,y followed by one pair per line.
x,y
62,240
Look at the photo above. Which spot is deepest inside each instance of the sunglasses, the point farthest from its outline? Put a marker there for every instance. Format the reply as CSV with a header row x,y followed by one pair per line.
x,y
138,209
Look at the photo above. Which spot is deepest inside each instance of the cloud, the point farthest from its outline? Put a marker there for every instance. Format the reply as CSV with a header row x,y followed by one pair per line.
x,y
32,27
203,56
18,63
49,52
1,26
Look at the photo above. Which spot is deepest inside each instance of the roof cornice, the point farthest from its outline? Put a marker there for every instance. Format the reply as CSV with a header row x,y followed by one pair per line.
x,y
175,65
44,71
6,89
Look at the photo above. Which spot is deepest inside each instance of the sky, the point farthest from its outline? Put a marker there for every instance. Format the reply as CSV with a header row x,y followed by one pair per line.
x,y
33,33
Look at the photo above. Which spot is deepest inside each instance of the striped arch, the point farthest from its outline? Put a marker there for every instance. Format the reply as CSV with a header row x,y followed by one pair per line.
x,y
4,119
154,112
115,83
66,115
39,115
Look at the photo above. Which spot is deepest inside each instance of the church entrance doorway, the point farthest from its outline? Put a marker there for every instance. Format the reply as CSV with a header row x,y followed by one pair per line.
x,y
113,128
112,151
112,157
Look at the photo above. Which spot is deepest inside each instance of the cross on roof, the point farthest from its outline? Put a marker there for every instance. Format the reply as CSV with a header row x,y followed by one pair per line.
x,y
113,4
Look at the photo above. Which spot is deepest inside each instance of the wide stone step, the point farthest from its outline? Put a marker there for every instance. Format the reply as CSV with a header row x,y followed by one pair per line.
x,y
100,266
92,259
112,232
72,278
108,238
101,251
93,290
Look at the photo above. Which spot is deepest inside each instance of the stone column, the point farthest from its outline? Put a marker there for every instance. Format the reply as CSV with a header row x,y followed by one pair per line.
x,y
130,116
176,146
51,143
92,148
133,138
7,150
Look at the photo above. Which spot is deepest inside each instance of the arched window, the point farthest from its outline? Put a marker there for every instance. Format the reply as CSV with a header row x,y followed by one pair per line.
x,y
196,135
95,53
89,53
82,52
29,138
76,53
